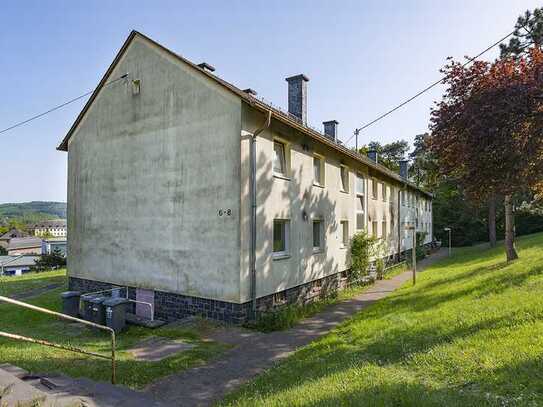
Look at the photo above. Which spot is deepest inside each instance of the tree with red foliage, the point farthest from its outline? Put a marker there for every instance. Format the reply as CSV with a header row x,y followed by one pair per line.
x,y
487,131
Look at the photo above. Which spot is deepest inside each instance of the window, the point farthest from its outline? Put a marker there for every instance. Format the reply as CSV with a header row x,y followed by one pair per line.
x,y
279,159
384,192
374,191
317,235
374,228
403,198
344,175
344,233
359,184
318,170
359,213
280,237
384,229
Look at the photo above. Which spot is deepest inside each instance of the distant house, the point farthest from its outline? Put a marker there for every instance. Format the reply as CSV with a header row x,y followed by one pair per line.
x,y
25,245
50,245
16,265
55,228
6,237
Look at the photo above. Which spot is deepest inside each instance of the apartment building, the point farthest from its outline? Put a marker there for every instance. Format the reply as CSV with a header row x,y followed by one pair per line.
x,y
204,199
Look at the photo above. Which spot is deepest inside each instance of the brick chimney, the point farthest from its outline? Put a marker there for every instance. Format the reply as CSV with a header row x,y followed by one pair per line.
x,y
330,129
373,155
297,97
404,168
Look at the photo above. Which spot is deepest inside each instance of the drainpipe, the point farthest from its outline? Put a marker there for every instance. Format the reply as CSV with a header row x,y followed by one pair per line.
x,y
264,126
399,224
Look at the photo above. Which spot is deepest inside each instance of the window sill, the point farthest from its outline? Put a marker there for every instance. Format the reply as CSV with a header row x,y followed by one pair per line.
x,y
315,184
318,251
280,256
281,176
343,247
343,191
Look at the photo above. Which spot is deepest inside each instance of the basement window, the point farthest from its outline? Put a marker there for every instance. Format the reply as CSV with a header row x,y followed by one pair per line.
x,y
280,237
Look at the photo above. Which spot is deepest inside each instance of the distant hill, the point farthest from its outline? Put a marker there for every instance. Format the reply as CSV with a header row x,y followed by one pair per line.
x,y
35,211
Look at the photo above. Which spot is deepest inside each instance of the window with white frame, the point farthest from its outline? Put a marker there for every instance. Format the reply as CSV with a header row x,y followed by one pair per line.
x,y
374,189
403,198
281,237
317,235
279,158
359,184
344,178
344,233
384,191
359,212
318,170
374,226
384,229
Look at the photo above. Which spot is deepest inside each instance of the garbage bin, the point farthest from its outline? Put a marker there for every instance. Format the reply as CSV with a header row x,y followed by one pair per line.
x,y
86,306
116,313
70,303
97,311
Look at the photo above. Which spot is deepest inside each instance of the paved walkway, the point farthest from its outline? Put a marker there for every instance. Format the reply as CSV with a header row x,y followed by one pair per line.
x,y
255,352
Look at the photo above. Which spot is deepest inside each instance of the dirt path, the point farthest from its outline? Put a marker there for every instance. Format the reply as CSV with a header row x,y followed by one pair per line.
x,y
255,352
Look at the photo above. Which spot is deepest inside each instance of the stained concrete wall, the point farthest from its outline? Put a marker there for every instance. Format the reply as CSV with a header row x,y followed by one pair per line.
x,y
147,177
292,196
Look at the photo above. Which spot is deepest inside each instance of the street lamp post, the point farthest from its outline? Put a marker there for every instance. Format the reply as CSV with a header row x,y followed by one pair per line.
x,y
449,230
413,251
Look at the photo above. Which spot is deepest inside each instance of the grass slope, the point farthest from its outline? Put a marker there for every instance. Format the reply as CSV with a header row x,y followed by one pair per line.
x,y
40,359
10,285
469,334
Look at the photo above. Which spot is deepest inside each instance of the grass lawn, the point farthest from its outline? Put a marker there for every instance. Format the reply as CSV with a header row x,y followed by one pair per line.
x,y
40,359
469,334
11,285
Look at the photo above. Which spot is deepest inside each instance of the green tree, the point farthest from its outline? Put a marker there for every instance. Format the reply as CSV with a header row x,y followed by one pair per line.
x,y
528,30
389,154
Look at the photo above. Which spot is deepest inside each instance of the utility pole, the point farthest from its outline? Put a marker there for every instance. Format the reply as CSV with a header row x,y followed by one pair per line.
x,y
413,252
449,230
356,132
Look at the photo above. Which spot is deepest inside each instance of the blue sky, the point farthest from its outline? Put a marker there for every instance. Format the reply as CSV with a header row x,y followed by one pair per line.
x,y
362,57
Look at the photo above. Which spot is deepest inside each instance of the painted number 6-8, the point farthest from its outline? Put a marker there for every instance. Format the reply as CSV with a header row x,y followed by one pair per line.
x,y
225,212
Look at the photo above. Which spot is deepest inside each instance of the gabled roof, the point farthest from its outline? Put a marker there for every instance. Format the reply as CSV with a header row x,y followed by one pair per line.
x,y
24,243
12,233
246,97
18,261
55,223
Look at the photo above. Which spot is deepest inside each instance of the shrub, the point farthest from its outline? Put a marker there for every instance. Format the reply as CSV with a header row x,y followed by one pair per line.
x,y
362,248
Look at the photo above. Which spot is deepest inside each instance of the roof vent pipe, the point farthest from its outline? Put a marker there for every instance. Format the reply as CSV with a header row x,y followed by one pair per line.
x,y
373,155
206,67
297,97
404,168
330,129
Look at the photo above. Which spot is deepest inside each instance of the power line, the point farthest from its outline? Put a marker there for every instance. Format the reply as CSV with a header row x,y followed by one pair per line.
x,y
426,89
59,106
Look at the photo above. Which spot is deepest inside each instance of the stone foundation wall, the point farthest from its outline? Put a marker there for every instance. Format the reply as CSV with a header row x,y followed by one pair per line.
x,y
170,306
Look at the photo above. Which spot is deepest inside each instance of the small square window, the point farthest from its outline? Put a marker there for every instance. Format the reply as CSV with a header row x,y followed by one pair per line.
x,y
280,237
374,191
317,235
344,175
344,233
318,171
279,159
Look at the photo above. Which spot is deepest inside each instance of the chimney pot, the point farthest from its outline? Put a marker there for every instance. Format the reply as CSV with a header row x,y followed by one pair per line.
x,y
206,67
330,129
297,96
404,168
373,155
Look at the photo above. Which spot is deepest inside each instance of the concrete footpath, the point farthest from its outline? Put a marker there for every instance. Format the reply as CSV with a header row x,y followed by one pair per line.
x,y
255,352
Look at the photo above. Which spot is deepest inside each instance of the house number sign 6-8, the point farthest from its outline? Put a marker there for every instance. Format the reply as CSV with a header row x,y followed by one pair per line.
x,y
225,212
